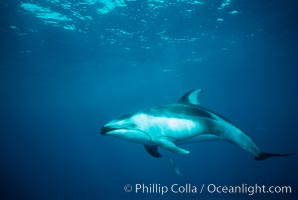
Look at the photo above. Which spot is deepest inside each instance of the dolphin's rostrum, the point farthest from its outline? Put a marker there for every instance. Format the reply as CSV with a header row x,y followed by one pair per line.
x,y
172,125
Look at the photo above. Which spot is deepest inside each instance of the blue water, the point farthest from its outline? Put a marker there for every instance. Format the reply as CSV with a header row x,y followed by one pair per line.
x,y
69,67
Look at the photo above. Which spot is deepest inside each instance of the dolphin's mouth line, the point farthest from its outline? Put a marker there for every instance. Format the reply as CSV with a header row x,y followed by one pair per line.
x,y
105,130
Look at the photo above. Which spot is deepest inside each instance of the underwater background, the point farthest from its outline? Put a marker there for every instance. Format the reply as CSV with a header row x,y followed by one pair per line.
x,y
69,67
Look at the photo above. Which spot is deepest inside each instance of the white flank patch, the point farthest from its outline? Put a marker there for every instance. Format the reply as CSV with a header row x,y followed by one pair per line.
x,y
147,122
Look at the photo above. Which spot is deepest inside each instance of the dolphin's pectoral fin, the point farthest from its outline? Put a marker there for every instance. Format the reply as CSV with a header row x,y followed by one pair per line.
x,y
170,146
153,151
191,97
263,156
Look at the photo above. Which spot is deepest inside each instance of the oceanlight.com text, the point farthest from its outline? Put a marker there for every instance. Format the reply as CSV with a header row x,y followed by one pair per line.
x,y
248,189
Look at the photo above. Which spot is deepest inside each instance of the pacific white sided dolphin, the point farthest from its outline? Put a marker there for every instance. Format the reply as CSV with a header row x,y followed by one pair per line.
x,y
172,125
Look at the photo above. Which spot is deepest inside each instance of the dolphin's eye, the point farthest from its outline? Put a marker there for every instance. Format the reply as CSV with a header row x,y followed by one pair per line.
x,y
133,126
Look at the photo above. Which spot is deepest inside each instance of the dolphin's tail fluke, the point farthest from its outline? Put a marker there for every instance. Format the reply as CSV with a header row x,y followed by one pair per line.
x,y
263,156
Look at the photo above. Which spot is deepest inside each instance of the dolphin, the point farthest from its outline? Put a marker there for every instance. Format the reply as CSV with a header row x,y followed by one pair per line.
x,y
170,126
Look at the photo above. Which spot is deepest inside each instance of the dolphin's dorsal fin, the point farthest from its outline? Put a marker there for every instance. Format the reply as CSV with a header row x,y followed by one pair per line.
x,y
191,97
